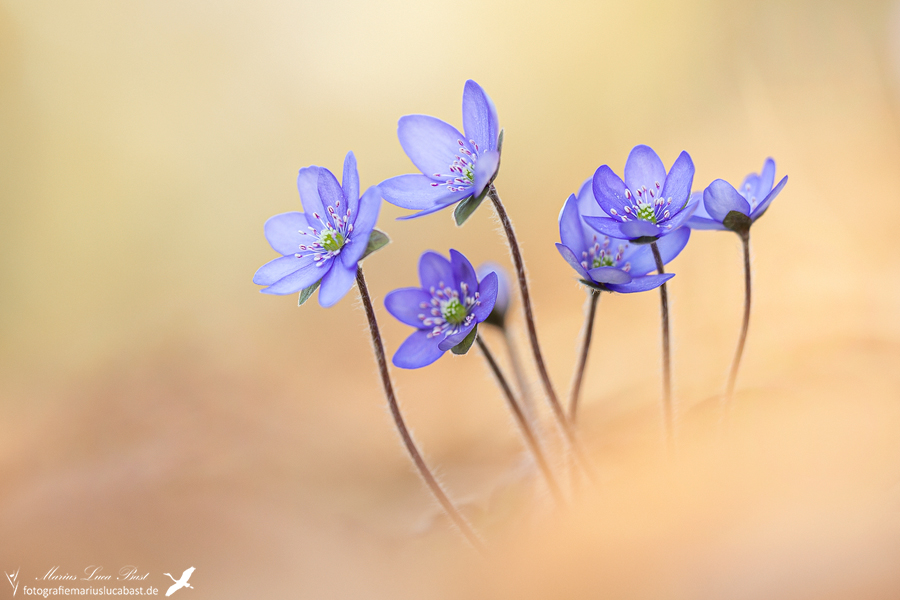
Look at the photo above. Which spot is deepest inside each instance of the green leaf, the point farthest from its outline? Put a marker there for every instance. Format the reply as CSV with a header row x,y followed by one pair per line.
x,y
465,208
463,346
306,293
377,241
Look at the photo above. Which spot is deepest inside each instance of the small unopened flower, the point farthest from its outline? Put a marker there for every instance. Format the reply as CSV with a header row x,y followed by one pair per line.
x,y
453,165
720,199
501,306
444,310
326,242
607,263
649,203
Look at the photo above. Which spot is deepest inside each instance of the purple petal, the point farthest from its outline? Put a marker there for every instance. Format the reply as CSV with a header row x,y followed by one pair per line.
x,y
488,290
643,169
431,144
606,226
280,268
350,183
640,284
637,229
480,120
720,198
485,169
670,246
434,269
699,223
609,191
283,232
417,351
609,275
330,191
369,205
503,290
336,283
679,180
570,258
405,305
308,186
758,212
766,179
463,272
416,192
680,218
302,278
571,227
432,209
587,204
455,338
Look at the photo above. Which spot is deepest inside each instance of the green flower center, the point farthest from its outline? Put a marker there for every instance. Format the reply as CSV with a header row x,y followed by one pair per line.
x,y
645,212
453,311
331,240
603,260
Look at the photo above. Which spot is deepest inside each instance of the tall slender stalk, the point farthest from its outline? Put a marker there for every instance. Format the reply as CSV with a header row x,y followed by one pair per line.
x,y
410,444
558,412
732,377
582,357
521,381
668,417
522,420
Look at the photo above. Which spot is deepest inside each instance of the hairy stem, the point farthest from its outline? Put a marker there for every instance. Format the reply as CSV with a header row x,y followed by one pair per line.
x,y
410,444
668,418
558,412
732,377
582,357
522,420
521,380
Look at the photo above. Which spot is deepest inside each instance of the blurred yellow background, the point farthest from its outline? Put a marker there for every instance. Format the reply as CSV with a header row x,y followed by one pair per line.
x,y
158,411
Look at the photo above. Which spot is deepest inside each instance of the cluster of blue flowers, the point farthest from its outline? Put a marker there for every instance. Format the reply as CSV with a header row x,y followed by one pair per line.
x,y
617,234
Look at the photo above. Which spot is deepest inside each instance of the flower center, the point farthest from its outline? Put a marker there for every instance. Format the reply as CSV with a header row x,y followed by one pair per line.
x,y
331,240
453,311
599,254
336,232
461,171
449,309
648,205
604,260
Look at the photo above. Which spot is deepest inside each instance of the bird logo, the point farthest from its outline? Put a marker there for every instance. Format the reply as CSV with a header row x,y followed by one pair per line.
x,y
180,583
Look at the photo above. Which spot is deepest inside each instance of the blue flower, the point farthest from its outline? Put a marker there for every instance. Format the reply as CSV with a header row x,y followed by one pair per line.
x,y
607,263
453,166
720,198
448,306
324,243
649,204
504,295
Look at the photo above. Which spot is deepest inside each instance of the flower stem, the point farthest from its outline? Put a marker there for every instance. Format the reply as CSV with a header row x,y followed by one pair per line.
x,y
414,453
521,381
558,412
667,359
732,377
582,358
522,420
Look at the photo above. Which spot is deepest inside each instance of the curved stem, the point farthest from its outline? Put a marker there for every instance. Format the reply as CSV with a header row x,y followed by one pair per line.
x,y
732,377
414,453
522,420
582,358
558,412
667,362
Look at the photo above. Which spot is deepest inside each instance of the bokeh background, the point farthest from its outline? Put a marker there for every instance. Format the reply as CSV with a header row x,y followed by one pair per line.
x,y
158,411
